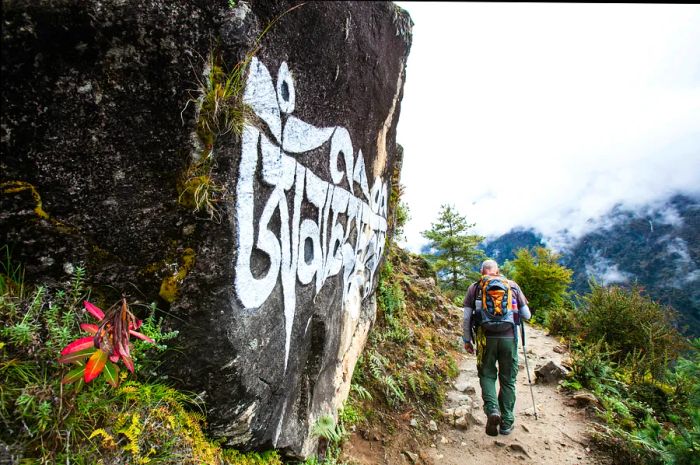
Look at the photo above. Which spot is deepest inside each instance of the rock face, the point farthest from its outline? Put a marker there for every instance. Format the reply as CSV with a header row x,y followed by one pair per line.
x,y
264,245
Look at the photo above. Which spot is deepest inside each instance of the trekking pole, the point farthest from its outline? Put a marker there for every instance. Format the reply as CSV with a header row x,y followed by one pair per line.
x,y
527,368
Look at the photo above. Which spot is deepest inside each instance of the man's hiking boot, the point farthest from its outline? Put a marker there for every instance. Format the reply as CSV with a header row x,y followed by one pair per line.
x,y
494,419
505,430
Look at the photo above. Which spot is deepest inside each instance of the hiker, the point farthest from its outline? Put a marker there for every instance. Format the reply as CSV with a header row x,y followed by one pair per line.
x,y
493,306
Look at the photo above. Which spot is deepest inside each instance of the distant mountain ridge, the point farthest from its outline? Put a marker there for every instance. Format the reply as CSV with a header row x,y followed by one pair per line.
x,y
504,247
657,247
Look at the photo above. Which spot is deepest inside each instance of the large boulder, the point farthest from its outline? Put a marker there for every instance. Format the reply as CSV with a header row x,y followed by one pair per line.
x,y
257,220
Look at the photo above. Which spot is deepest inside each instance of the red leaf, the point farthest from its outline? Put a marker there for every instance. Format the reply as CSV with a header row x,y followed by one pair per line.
x,y
112,374
89,327
141,336
128,362
94,310
95,365
79,344
115,355
136,325
73,375
76,356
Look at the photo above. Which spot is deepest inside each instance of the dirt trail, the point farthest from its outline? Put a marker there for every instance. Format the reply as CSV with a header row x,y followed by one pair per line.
x,y
556,437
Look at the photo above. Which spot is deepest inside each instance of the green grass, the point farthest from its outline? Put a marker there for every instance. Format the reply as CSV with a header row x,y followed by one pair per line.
x,y
220,111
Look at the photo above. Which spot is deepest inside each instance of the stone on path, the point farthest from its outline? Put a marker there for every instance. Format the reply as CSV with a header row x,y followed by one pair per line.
x,y
517,448
584,398
462,423
458,398
550,373
464,386
474,420
411,456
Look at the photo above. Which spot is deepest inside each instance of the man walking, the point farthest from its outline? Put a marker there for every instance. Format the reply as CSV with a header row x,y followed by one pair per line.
x,y
494,306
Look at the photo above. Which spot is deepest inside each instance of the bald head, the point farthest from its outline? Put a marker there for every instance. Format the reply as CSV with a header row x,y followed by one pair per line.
x,y
489,267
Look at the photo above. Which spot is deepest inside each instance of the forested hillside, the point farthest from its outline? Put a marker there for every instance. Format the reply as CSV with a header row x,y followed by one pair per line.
x,y
657,247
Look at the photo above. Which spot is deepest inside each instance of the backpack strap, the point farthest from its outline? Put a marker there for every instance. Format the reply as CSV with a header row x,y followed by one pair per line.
x,y
482,287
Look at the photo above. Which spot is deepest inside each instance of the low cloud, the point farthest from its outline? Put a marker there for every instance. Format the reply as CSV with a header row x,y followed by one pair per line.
x,y
657,212
495,126
606,272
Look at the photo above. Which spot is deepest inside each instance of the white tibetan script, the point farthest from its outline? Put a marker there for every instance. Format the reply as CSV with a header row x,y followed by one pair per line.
x,y
309,250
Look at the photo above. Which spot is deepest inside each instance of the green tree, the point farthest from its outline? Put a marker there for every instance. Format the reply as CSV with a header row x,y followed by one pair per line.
x,y
543,280
453,251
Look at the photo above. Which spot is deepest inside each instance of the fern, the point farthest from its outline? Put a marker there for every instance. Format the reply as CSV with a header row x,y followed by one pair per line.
x,y
362,393
107,439
393,390
132,433
412,383
376,365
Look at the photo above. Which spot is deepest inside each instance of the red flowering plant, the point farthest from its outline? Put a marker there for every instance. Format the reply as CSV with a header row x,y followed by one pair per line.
x,y
109,342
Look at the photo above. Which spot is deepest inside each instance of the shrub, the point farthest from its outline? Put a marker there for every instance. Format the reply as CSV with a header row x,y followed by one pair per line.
x,y
591,364
650,401
638,330
563,320
543,280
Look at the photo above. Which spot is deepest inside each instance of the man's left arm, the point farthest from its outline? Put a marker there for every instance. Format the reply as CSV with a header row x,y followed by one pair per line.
x,y
523,309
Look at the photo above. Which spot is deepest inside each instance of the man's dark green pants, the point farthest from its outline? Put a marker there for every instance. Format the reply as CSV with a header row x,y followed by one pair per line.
x,y
504,352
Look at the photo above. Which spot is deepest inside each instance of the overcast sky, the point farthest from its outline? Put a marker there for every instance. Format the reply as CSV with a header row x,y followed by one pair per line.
x,y
546,115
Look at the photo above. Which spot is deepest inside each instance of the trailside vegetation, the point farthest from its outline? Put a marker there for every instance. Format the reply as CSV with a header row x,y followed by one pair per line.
x,y
644,375
409,355
453,252
120,417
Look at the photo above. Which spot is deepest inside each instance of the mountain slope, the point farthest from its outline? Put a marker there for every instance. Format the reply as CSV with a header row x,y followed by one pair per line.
x,y
656,247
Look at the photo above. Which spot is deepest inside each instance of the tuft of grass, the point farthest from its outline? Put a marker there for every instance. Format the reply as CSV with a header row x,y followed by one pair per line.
x,y
220,110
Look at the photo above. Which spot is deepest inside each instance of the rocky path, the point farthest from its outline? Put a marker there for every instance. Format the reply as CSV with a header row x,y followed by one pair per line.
x,y
557,436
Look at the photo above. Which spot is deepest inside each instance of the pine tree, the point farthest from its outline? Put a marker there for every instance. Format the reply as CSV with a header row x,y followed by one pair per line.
x,y
453,251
